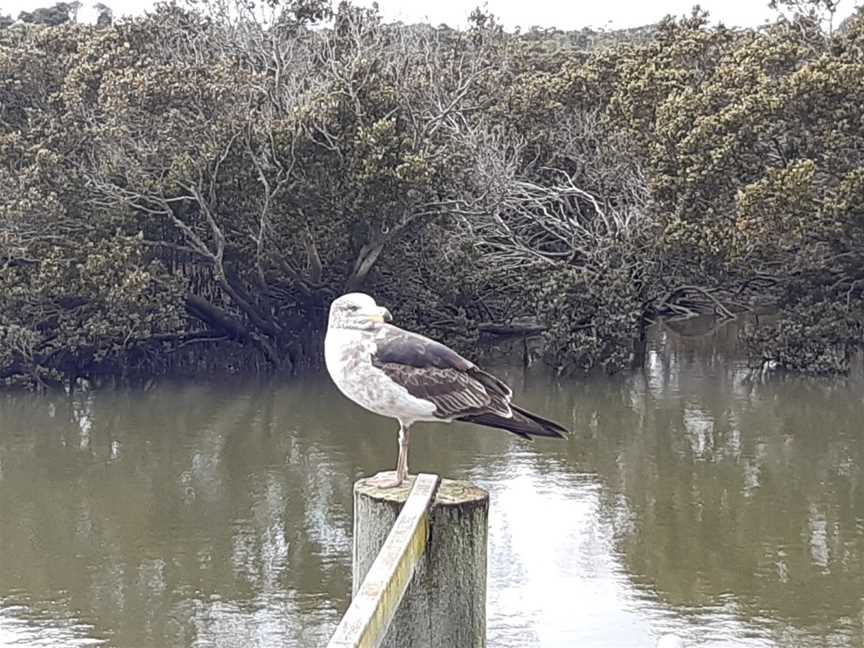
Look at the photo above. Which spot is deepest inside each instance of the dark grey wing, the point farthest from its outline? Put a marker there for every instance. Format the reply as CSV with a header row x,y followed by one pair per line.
x,y
434,372
415,350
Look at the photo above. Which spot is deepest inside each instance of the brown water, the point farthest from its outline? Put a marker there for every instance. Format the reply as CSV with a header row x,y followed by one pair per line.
x,y
694,498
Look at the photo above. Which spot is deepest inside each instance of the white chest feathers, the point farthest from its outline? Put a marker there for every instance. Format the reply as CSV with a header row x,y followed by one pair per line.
x,y
348,356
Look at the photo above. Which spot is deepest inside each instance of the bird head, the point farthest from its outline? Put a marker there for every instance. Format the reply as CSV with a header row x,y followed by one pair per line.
x,y
357,311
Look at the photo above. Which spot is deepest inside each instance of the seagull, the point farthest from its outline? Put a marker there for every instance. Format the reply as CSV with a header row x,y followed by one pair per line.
x,y
409,377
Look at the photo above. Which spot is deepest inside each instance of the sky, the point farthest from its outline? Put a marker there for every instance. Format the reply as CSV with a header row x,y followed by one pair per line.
x,y
564,14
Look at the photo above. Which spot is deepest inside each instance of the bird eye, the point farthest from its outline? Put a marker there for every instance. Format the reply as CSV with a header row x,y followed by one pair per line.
x,y
353,307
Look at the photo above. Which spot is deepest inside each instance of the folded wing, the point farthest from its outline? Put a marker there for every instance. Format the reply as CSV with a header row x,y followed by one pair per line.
x,y
459,389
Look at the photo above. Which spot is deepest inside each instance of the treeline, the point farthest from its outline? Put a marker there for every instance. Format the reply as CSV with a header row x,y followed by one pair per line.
x,y
59,14
197,185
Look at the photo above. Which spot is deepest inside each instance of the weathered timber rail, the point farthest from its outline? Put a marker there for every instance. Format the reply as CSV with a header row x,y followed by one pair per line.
x,y
419,566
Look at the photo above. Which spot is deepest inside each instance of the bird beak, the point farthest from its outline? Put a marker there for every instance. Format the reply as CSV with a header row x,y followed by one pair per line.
x,y
383,315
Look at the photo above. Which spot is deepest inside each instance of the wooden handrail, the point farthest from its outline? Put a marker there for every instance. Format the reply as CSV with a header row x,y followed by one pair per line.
x,y
372,609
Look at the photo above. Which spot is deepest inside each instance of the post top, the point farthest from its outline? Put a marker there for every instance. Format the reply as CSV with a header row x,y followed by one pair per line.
x,y
451,492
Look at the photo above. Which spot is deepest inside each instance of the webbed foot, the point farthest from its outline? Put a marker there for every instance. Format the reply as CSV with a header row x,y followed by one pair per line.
x,y
387,479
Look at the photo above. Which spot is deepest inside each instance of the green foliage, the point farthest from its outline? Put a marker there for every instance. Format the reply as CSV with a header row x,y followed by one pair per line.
x,y
592,320
201,174
813,336
60,13
78,312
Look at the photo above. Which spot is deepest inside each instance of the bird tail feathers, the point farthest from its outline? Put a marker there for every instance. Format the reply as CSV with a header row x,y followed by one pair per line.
x,y
523,423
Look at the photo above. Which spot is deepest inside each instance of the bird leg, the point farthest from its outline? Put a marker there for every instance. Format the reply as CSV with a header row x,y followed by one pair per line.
x,y
390,479
402,462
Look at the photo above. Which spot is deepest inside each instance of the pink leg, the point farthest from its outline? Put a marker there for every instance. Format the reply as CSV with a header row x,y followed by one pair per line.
x,y
390,479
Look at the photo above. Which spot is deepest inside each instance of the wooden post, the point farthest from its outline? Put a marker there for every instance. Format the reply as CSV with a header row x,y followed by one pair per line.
x,y
373,607
445,603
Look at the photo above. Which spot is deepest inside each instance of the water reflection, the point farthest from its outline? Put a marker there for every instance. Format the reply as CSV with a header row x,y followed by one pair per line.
x,y
695,497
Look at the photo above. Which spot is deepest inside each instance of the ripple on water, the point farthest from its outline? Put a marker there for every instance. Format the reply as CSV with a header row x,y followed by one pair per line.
x,y
52,626
688,501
